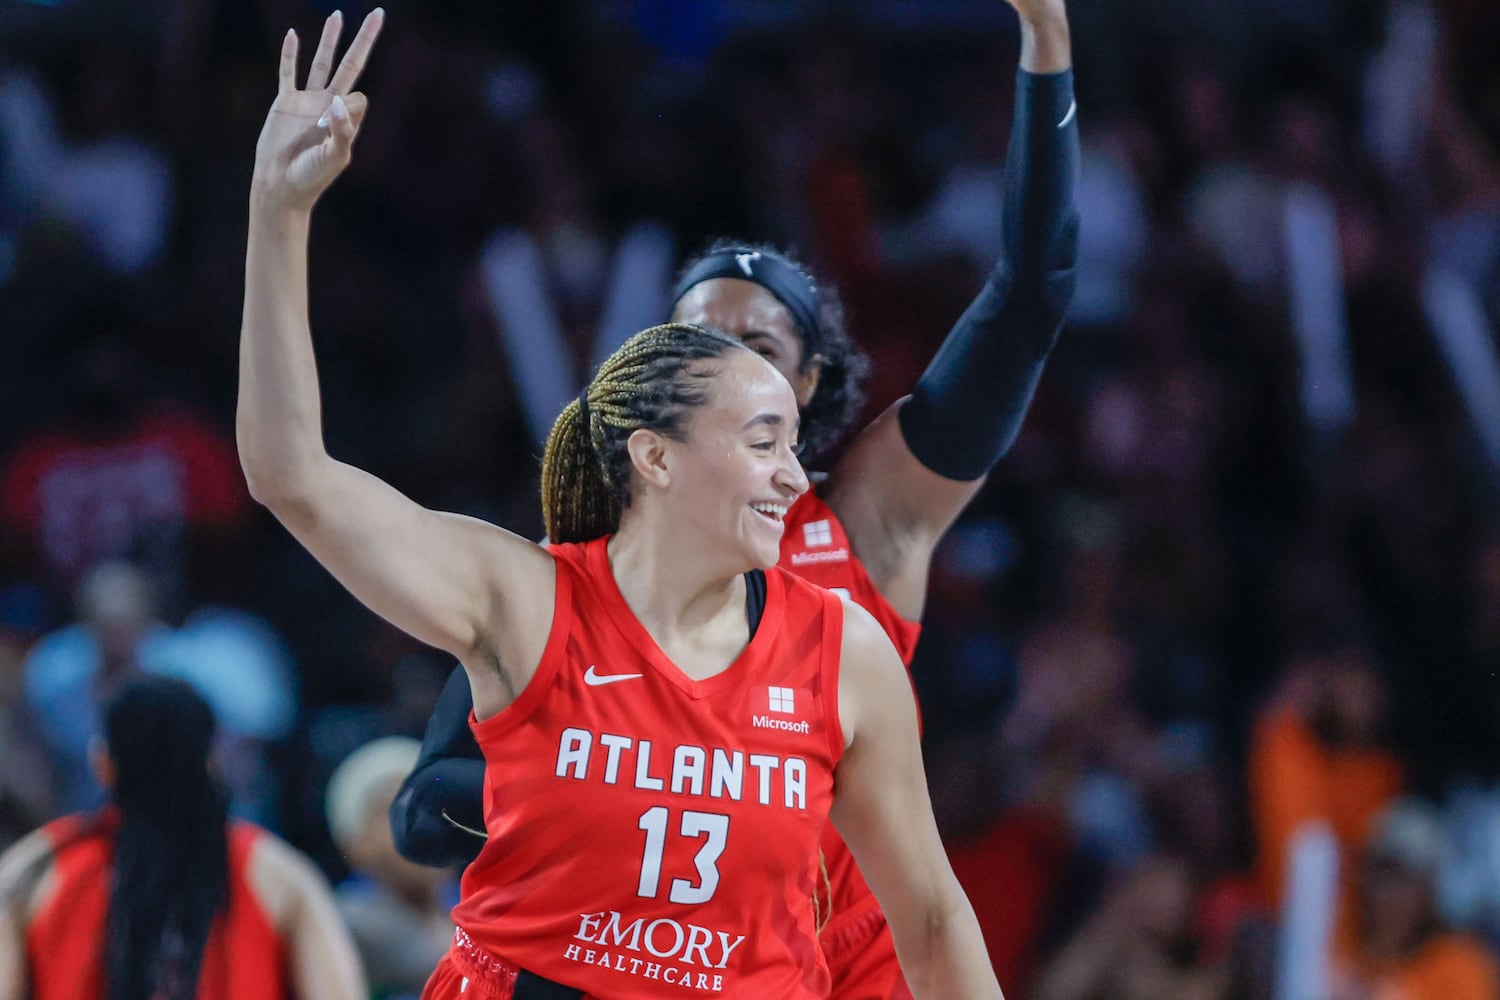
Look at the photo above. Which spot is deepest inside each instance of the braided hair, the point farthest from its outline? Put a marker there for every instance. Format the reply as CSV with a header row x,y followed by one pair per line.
x,y
171,855
653,382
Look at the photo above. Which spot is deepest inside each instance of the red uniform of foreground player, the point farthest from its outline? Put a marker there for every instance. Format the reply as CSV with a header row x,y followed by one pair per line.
x,y
158,895
871,530
677,473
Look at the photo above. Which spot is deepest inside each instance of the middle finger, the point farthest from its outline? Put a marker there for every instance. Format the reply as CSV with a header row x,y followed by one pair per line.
x,y
354,60
322,64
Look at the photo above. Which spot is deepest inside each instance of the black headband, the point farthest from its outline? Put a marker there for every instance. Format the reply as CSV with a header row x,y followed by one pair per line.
x,y
791,287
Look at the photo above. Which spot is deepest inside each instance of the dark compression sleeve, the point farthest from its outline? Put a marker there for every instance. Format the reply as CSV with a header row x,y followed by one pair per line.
x,y
968,405
438,816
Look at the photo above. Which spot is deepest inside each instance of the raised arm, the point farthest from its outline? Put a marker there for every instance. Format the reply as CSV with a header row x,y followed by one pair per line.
x,y
474,590
908,476
437,817
882,810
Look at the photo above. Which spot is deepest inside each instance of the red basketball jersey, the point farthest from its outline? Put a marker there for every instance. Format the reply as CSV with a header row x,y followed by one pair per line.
x,y
816,548
650,833
244,958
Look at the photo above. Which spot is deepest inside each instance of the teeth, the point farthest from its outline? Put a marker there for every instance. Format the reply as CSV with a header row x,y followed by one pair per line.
x,y
776,510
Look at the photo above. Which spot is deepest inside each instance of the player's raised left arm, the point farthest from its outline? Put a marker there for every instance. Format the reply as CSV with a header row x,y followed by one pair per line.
x,y
908,476
882,810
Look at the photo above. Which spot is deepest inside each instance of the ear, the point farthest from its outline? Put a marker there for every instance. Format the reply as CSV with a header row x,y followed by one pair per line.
x,y
806,385
101,763
648,457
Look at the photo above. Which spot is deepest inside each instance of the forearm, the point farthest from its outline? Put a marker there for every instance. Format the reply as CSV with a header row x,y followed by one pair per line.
x,y
945,955
437,818
279,419
1046,44
985,375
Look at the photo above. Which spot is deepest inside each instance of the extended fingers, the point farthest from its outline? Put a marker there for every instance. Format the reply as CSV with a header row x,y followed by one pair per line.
x,y
287,74
322,64
353,63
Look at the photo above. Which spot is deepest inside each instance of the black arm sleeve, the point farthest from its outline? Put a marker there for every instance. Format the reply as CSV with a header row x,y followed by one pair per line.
x,y
438,816
968,405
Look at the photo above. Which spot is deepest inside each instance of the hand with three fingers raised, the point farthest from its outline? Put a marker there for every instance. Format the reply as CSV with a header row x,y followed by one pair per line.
x,y
309,131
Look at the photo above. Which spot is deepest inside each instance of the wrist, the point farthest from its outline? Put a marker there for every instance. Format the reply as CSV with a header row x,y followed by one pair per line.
x,y
273,202
1046,42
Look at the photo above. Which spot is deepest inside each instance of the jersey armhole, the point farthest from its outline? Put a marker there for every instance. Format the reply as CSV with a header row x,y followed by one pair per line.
x,y
832,657
552,654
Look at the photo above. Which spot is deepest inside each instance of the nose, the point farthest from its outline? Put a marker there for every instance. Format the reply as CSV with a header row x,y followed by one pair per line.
x,y
791,476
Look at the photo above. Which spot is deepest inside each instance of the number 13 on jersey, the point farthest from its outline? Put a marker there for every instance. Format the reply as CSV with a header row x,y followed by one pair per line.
x,y
712,827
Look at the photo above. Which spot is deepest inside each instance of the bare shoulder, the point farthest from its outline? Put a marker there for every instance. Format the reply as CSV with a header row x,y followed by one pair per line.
x,y
24,870
872,679
281,877
865,642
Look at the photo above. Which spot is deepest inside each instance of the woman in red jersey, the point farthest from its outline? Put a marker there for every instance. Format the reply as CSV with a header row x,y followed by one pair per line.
x,y
659,772
159,896
870,529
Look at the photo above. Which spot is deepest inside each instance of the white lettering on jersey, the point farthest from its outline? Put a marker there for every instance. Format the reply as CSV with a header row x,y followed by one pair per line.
x,y
694,771
573,751
664,938
837,555
643,776
615,744
687,768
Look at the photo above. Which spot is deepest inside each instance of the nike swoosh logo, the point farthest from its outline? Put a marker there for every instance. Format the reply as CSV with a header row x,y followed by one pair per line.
x,y
593,678
1072,110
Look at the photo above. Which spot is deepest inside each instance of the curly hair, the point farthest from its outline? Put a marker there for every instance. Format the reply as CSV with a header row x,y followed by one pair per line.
x,y
651,382
843,366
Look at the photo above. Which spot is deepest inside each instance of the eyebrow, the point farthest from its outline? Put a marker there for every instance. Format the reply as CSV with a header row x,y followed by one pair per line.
x,y
769,419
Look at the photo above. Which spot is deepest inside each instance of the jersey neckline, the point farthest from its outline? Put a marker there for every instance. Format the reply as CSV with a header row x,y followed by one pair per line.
x,y
640,639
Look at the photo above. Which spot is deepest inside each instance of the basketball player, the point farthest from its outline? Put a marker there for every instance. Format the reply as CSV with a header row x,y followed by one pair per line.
x,y
610,872
871,528
159,896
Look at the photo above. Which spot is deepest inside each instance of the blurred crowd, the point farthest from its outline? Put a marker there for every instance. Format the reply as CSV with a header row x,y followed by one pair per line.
x,y
1208,671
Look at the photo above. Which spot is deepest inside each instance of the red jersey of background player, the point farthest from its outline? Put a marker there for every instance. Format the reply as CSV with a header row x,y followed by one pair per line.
x,y
244,958
815,547
651,833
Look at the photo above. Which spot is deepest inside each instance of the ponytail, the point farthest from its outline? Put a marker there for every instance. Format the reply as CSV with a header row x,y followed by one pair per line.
x,y
577,501
171,856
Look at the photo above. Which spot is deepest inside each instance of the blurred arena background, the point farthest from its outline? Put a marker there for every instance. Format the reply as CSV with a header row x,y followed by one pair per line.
x,y
1222,630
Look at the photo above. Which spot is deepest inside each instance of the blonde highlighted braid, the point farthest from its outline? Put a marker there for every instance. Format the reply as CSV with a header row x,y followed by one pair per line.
x,y
652,382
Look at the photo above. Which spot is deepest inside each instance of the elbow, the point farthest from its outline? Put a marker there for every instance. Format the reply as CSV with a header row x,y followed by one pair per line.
x,y
278,493
401,825
277,482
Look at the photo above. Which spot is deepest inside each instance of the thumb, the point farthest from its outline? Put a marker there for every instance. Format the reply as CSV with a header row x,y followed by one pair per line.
x,y
340,125
357,104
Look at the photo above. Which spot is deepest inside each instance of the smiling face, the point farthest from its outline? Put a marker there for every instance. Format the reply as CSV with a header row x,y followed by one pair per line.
x,y
731,478
750,312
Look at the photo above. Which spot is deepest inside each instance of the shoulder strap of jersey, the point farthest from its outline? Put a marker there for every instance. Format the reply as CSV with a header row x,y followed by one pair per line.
x,y
755,598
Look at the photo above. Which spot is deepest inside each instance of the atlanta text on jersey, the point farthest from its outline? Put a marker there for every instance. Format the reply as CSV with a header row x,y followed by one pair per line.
x,y
709,773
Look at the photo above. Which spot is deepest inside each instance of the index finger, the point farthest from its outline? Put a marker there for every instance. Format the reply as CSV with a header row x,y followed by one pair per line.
x,y
287,74
354,60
